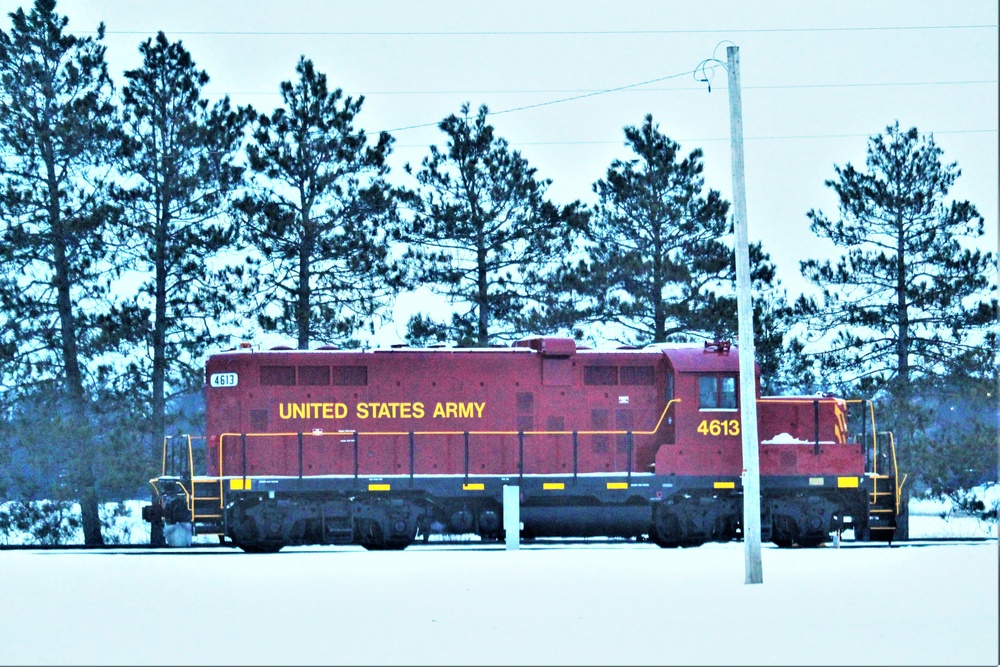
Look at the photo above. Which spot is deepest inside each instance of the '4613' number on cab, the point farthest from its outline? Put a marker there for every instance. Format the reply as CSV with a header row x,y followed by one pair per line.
x,y
719,427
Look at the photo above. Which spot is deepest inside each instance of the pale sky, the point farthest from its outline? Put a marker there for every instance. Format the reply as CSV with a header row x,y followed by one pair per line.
x,y
818,79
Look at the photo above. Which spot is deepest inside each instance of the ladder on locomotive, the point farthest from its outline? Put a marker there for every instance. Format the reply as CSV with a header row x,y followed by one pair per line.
x,y
887,519
203,493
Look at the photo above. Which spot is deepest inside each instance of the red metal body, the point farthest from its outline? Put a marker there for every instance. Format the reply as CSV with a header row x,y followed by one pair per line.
x,y
524,401
379,447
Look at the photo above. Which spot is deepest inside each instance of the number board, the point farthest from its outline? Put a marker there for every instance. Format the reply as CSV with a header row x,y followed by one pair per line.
x,y
223,380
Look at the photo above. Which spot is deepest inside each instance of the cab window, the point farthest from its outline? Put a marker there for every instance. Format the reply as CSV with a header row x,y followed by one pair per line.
x,y
717,392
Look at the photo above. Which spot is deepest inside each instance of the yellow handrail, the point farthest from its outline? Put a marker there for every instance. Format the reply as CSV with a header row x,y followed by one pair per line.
x,y
317,432
895,470
189,498
871,410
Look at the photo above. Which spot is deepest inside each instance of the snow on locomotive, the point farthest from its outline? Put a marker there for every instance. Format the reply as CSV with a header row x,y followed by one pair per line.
x,y
382,447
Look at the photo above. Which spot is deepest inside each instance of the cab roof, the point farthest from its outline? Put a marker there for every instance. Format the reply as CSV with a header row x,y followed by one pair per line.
x,y
690,358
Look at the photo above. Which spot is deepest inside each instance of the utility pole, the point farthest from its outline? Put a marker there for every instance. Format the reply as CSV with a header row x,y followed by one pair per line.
x,y
744,312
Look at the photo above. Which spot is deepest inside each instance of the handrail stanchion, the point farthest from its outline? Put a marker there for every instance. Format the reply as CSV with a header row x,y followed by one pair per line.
x,y
816,426
243,445
575,456
355,459
412,466
520,457
300,459
628,457
466,434
864,436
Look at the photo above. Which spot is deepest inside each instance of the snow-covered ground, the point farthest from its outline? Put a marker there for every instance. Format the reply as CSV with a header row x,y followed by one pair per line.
x,y
922,603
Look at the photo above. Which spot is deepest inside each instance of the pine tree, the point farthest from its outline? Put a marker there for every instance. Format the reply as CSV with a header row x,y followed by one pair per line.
x,y
321,216
909,299
178,159
483,234
56,130
659,266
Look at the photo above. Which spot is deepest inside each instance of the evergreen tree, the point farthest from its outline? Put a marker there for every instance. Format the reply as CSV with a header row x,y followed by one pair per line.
x,y
908,300
659,265
483,234
658,255
56,128
321,215
177,157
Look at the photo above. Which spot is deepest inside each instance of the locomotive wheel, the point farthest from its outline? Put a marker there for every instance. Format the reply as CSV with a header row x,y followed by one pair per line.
x,y
261,548
811,542
387,546
664,544
666,531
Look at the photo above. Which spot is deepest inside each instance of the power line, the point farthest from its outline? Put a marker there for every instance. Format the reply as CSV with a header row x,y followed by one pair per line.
x,y
551,102
541,33
706,139
538,91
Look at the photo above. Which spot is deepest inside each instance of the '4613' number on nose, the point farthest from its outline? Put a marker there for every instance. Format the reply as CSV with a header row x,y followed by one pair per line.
x,y
719,427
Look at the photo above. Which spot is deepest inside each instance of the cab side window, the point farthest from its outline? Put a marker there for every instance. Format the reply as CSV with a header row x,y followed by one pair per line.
x,y
717,392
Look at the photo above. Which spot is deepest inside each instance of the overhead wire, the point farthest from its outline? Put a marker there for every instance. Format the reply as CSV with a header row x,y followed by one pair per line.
x,y
707,139
546,33
702,68
559,101
539,91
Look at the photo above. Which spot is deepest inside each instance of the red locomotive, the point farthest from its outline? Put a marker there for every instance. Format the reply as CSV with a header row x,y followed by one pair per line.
x,y
382,447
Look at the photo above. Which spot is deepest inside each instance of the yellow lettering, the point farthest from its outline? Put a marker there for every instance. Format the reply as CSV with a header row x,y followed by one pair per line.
x,y
284,410
299,411
327,410
465,410
439,410
317,409
451,409
383,411
479,409
362,410
404,410
418,410
340,410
